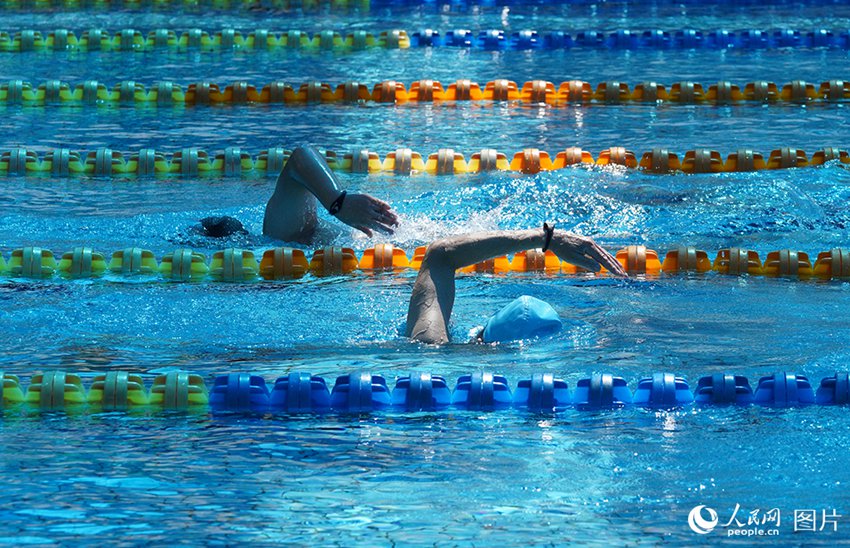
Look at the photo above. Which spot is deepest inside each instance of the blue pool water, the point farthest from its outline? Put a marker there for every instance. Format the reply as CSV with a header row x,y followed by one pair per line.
x,y
627,477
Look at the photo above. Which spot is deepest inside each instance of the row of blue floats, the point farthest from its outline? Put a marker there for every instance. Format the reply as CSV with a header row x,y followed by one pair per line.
x,y
571,3
496,39
363,392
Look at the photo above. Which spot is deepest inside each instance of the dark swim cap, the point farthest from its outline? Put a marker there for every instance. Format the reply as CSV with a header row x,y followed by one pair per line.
x,y
221,226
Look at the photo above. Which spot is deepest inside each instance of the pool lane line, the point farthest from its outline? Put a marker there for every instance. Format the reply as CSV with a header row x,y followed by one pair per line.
x,y
286,263
363,391
570,93
132,40
237,162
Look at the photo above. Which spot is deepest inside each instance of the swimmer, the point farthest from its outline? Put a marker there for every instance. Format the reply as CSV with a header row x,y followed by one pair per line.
x,y
306,179
434,290
291,216
291,211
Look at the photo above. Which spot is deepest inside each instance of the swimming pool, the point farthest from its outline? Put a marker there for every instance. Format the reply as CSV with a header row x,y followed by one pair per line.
x,y
628,476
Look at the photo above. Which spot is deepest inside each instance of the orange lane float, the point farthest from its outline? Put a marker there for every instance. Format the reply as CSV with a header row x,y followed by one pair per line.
x,y
637,259
283,262
737,261
384,257
535,260
834,263
331,261
787,262
686,259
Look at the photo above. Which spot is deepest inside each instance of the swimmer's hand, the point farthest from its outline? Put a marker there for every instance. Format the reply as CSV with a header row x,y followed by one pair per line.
x,y
584,252
366,213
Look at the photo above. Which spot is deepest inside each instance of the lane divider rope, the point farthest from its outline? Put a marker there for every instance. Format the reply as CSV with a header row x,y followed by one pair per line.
x,y
281,263
198,6
308,6
235,161
364,392
570,93
166,39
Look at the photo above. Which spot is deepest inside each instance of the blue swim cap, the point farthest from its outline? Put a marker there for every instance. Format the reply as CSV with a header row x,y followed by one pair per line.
x,y
524,318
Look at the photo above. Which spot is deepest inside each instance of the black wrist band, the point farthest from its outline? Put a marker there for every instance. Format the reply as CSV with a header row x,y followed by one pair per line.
x,y
336,205
550,231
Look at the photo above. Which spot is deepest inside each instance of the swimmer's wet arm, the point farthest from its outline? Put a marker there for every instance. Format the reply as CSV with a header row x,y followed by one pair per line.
x,y
430,307
584,252
433,295
307,167
307,178
460,251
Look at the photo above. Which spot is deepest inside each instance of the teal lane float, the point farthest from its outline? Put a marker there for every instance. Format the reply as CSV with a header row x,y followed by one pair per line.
x,y
363,392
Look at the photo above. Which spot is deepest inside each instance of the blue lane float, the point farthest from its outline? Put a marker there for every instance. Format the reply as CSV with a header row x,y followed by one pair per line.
x,y
723,389
364,392
421,392
834,390
482,391
542,392
602,390
240,392
360,392
662,390
455,5
784,390
300,392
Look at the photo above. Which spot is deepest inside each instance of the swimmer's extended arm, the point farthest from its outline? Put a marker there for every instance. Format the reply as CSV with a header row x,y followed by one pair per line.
x,y
434,291
306,178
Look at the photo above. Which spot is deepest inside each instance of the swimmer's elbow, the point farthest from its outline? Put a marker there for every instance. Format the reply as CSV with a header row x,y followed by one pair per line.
x,y
299,152
302,154
439,254
434,253
427,336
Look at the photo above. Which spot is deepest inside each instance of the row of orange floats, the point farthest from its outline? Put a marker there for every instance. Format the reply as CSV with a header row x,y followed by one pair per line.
x,y
165,93
533,160
580,91
232,265
234,161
